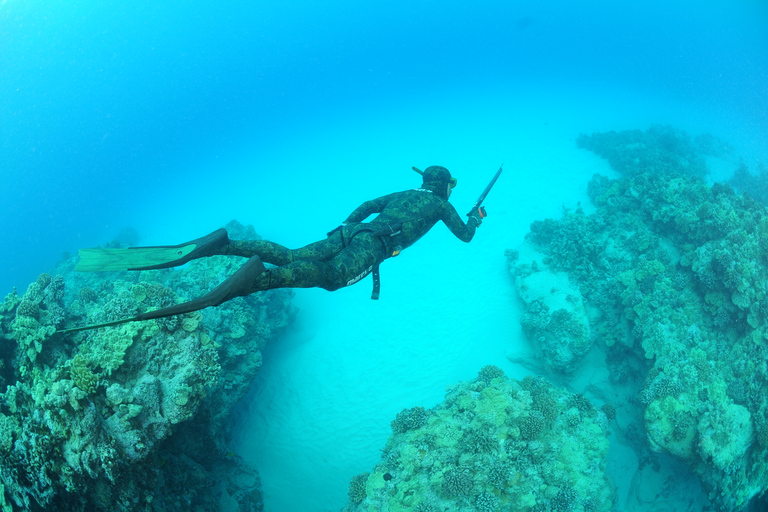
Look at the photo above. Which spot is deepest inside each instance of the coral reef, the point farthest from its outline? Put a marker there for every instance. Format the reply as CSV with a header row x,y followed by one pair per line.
x,y
100,419
674,272
658,150
488,447
754,185
408,419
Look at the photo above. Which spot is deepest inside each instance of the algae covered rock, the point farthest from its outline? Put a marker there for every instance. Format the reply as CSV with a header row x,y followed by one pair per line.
x,y
555,318
129,417
673,275
493,444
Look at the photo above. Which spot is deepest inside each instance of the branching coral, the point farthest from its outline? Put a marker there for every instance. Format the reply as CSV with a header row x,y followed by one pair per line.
x,y
408,419
356,490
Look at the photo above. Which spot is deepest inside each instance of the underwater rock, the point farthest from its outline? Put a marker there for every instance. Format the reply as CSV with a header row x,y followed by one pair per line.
x,y
131,417
673,275
478,451
753,184
555,319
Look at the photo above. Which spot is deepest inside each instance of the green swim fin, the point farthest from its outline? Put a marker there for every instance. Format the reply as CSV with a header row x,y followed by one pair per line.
x,y
150,258
238,284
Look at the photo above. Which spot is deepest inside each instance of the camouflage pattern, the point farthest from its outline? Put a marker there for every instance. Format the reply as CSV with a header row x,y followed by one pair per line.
x,y
325,264
351,252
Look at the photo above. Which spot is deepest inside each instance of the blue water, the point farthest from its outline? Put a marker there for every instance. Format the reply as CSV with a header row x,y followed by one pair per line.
x,y
110,110
174,117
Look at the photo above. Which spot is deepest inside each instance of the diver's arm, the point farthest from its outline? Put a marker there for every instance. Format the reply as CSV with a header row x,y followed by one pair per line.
x,y
463,232
368,208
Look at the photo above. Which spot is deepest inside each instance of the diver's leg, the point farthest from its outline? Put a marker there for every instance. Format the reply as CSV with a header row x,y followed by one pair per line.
x,y
216,243
238,284
346,268
277,254
324,250
269,252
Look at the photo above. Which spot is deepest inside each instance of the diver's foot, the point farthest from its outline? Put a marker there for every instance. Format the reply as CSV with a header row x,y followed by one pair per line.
x,y
213,244
239,284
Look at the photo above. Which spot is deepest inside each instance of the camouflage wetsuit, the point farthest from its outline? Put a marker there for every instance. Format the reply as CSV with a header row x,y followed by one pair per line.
x,y
350,252
355,249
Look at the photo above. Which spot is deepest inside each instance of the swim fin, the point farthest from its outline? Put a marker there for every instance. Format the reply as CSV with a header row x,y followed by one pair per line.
x,y
150,258
238,284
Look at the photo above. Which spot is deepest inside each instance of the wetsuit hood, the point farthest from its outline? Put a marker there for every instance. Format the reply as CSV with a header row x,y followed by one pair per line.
x,y
436,179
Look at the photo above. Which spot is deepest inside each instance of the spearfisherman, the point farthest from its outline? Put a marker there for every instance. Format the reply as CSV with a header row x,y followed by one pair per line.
x,y
348,254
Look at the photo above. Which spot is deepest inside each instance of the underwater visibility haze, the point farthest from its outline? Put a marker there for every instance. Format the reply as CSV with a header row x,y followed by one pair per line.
x,y
600,344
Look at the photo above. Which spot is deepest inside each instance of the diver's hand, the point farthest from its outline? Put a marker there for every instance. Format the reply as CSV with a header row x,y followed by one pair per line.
x,y
478,215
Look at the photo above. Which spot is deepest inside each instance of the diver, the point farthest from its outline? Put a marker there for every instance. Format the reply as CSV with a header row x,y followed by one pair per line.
x,y
348,254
